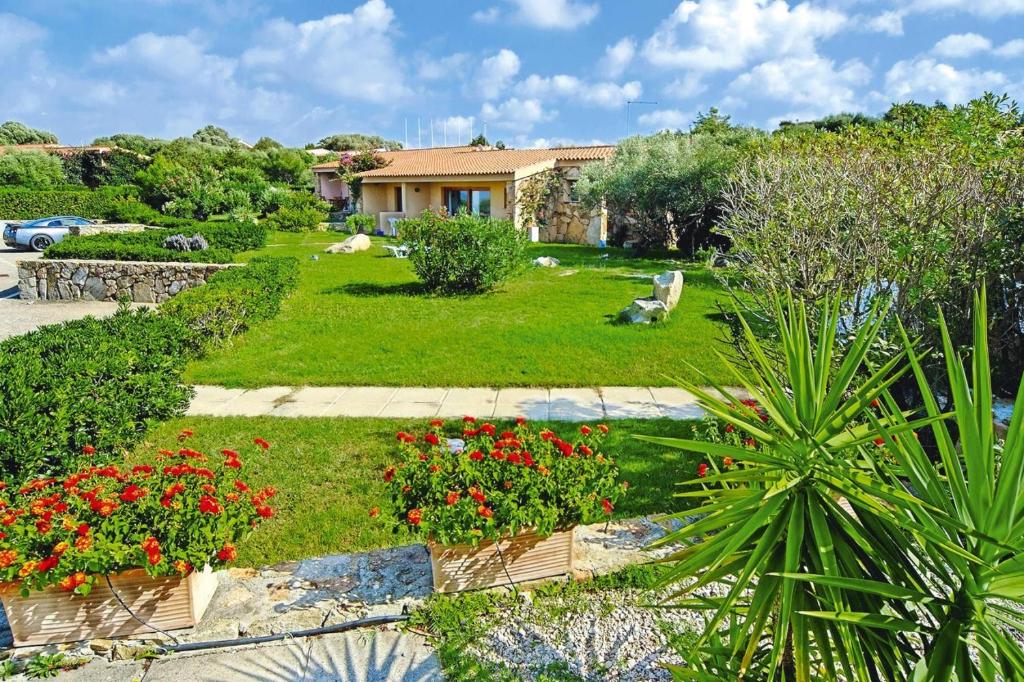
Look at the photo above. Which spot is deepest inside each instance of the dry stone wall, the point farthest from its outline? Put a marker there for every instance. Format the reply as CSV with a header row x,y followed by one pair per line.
x,y
107,280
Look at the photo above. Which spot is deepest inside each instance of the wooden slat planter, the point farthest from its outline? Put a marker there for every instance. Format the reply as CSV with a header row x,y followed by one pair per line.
x,y
527,556
52,615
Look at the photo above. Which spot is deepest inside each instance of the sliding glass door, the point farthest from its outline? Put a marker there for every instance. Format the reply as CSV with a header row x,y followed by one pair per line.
x,y
475,201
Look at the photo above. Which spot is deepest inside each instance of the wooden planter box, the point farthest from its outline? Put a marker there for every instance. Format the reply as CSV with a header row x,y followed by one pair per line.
x,y
527,556
52,615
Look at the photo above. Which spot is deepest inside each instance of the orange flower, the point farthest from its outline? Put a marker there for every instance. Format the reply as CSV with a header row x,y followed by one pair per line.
x,y
88,450
485,512
228,553
83,544
182,566
27,568
452,498
61,547
374,512
7,557
415,516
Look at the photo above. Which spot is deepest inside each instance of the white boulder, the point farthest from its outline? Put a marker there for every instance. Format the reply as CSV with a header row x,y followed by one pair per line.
x,y
546,262
645,311
357,242
668,287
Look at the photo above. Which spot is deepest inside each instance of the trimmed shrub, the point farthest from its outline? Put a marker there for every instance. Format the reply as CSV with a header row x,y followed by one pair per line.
x,y
299,212
233,299
360,222
23,204
464,253
116,247
97,383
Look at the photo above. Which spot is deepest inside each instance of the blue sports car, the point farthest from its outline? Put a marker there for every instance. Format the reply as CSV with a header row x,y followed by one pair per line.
x,y
38,234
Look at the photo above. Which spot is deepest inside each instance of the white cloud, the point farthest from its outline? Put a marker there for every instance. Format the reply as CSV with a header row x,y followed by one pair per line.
x,y
487,16
1010,49
445,67
713,35
962,45
689,85
887,22
549,142
517,115
351,55
606,94
555,14
182,58
665,119
617,57
811,81
18,34
983,8
925,79
495,73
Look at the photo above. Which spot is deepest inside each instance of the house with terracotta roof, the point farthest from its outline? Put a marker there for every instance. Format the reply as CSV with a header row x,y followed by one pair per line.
x,y
480,180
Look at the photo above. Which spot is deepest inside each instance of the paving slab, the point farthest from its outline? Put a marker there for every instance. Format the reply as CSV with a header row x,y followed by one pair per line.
x,y
104,671
208,399
575,404
361,401
473,402
629,402
272,662
371,656
531,403
414,402
309,401
253,402
677,403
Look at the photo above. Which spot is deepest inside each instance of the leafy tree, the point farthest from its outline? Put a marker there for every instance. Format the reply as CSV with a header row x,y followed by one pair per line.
x,y
289,166
833,123
31,169
213,135
479,141
265,144
140,144
713,122
351,165
13,132
343,142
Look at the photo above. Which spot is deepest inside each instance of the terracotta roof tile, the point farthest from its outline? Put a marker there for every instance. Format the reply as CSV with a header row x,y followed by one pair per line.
x,y
447,161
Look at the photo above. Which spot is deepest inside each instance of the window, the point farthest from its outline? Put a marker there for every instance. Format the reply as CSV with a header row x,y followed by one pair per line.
x,y
398,200
574,193
475,201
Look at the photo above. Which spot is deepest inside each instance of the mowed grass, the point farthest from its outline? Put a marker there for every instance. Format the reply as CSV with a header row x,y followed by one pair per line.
x,y
363,319
328,474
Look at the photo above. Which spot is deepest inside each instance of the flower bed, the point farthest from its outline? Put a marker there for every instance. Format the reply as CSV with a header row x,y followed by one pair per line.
x,y
186,510
475,486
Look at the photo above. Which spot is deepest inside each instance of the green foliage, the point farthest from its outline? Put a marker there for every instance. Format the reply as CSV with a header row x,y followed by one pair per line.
x,y
13,132
360,222
30,169
265,144
233,300
501,484
833,123
670,184
140,144
299,212
344,142
290,166
712,123
98,382
123,248
351,165
213,135
22,204
43,665
463,253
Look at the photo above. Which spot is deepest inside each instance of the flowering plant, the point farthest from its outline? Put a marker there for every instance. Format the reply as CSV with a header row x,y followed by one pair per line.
x,y
490,484
712,429
186,510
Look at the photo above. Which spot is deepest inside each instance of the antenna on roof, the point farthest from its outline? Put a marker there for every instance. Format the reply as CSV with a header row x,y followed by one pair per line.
x,y
485,130
634,101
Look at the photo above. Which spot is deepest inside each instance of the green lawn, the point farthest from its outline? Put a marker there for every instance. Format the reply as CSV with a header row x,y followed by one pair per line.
x,y
363,320
328,472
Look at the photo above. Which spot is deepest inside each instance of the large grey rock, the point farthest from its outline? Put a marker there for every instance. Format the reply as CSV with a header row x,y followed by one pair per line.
x,y
355,243
546,262
668,287
95,289
645,311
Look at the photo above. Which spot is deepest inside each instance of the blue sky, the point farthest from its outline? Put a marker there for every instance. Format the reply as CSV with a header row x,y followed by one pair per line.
x,y
537,72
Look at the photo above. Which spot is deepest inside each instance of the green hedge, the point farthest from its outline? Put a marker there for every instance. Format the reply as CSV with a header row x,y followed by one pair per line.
x,y
224,240
91,382
22,204
233,300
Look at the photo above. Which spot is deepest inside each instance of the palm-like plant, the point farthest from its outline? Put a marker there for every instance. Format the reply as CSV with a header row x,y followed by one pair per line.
x,y
807,502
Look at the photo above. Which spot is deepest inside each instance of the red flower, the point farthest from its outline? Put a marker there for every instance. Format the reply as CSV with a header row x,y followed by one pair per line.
x,y
48,563
469,420
233,462
477,495
436,422
209,505
607,505
520,421
566,448
476,456
452,498
879,441
602,428
749,442
241,487
133,493
82,530
265,511
88,450
729,428
414,516
374,512
389,474
527,459
262,443
423,457
497,454
514,458
585,450
702,470
434,468
875,403
432,438
586,430
727,461
485,512
103,507
228,553
489,429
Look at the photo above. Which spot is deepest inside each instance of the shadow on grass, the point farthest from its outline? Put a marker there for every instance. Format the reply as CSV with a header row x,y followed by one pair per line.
x,y
373,289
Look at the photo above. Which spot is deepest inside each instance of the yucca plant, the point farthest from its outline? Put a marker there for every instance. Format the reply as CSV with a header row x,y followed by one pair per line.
x,y
805,502
972,504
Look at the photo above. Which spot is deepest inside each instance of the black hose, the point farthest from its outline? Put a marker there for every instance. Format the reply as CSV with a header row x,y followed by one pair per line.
x,y
311,632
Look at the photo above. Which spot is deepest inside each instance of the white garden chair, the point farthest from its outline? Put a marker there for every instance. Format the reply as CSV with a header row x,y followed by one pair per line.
x,y
398,251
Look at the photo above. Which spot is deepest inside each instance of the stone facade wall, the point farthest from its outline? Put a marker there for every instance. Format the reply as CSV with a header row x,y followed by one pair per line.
x,y
107,280
573,224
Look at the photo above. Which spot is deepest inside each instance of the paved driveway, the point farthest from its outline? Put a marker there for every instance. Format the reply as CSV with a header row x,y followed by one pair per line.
x,y
18,317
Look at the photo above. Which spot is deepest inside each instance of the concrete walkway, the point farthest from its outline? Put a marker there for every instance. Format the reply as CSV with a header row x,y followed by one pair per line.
x,y
556,404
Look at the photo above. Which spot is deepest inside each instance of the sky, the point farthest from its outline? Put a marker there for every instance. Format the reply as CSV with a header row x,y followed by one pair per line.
x,y
534,72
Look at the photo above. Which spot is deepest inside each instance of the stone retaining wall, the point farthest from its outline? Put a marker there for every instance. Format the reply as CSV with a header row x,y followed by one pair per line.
x,y
107,280
106,228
